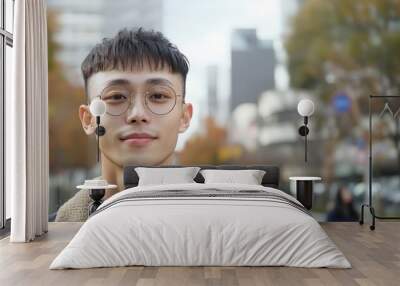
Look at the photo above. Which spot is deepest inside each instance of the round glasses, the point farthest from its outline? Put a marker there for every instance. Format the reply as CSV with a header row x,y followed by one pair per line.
x,y
160,100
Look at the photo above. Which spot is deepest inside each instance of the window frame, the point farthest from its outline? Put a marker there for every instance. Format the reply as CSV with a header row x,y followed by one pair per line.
x,y
6,39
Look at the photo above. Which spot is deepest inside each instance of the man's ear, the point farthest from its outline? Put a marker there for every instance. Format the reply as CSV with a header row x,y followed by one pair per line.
x,y
186,117
87,119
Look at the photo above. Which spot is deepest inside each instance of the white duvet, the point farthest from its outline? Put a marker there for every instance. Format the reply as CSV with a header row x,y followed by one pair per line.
x,y
189,230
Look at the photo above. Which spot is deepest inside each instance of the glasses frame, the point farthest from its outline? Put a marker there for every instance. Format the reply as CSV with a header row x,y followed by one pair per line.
x,y
145,102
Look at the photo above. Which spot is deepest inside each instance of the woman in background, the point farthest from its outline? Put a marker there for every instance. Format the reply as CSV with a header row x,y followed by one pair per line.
x,y
344,208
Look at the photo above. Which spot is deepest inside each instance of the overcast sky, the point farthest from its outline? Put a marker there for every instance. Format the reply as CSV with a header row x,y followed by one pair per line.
x,y
202,31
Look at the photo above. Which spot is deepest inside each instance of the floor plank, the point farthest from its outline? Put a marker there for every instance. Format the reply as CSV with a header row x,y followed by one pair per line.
x,y
374,255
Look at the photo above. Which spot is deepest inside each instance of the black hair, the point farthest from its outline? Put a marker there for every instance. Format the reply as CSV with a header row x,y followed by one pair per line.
x,y
129,49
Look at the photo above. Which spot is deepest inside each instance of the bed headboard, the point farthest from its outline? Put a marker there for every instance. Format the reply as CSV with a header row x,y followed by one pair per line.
x,y
270,179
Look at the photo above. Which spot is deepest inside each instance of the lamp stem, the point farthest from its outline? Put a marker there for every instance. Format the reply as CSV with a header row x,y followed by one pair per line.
x,y
305,146
98,155
305,142
98,138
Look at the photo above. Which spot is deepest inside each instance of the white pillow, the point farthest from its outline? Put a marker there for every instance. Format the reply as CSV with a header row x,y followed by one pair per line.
x,y
161,176
249,177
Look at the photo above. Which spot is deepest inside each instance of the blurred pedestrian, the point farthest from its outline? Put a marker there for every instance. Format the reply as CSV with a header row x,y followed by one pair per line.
x,y
343,209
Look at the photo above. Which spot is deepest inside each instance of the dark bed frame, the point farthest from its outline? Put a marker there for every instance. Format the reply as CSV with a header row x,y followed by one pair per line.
x,y
270,179
131,178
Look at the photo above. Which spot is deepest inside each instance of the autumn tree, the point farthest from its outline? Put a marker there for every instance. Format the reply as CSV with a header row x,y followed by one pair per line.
x,y
209,147
345,40
348,46
68,143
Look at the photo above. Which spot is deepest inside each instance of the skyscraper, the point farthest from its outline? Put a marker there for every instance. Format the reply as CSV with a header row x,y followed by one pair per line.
x,y
252,67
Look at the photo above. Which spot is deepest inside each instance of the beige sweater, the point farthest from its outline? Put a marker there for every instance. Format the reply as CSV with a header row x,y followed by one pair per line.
x,y
76,208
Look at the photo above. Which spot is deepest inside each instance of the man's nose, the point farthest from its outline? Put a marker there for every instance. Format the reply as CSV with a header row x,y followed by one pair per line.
x,y
137,111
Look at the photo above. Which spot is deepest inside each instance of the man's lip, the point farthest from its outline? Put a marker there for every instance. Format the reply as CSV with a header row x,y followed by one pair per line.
x,y
138,136
139,142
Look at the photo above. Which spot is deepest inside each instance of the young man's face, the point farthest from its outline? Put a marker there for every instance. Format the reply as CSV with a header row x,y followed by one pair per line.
x,y
121,143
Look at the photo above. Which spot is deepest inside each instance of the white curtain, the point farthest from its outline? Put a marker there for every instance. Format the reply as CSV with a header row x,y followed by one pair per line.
x,y
27,164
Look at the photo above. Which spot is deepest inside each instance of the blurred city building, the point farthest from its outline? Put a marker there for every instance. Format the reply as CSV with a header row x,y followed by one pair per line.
x,y
269,128
252,67
278,138
82,24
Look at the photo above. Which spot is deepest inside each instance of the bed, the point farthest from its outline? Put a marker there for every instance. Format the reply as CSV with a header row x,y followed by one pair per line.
x,y
201,224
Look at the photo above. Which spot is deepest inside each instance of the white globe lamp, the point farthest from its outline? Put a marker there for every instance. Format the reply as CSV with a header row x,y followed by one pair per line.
x,y
305,108
97,107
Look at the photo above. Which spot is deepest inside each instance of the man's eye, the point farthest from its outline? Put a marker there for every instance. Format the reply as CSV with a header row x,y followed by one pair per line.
x,y
115,97
158,97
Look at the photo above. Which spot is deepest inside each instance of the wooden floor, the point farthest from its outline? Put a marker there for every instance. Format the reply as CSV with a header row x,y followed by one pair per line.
x,y
374,255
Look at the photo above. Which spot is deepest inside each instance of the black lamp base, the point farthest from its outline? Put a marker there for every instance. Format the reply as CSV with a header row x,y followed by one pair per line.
x,y
303,130
96,195
304,193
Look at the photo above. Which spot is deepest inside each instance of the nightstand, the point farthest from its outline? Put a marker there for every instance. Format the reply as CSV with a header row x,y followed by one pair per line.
x,y
304,190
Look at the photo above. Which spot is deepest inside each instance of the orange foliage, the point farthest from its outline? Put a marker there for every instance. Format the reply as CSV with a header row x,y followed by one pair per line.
x,y
209,148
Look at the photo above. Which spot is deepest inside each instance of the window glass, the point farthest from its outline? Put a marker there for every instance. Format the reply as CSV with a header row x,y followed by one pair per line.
x,y
9,15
